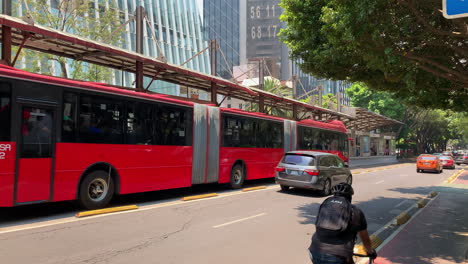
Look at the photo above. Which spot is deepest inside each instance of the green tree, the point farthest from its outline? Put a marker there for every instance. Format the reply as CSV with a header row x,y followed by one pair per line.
x,y
459,127
427,130
405,47
85,18
379,102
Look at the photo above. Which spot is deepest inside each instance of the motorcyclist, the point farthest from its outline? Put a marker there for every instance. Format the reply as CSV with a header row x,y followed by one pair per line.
x,y
337,247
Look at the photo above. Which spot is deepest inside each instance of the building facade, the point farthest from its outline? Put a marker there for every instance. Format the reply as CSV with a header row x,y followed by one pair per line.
x,y
173,25
221,22
258,27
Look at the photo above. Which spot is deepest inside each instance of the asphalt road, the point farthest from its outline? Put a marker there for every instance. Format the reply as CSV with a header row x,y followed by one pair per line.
x,y
264,226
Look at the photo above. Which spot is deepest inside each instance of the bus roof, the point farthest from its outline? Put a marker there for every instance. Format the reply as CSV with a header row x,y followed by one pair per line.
x,y
331,125
10,72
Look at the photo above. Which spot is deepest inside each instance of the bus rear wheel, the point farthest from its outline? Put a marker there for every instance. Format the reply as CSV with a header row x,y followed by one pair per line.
x,y
237,176
96,190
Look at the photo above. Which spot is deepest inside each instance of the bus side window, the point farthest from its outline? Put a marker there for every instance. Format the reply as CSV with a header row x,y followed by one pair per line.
x,y
139,124
5,106
173,126
69,118
100,120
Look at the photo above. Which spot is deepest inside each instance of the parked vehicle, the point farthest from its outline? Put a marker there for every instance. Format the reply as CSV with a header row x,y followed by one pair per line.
x,y
462,159
311,170
427,162
447,162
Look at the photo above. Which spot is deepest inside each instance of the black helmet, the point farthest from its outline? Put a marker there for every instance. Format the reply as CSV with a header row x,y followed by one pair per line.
x,y
343,189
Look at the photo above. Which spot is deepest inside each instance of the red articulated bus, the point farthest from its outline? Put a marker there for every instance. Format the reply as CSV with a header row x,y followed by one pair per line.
x,y
63,139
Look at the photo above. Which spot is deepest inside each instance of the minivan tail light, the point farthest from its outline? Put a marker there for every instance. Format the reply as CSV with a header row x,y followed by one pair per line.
x,y
312,172
280,169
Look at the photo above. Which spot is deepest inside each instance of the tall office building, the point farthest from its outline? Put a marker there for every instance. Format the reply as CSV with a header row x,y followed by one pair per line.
x,y
257,30
176,25
221,22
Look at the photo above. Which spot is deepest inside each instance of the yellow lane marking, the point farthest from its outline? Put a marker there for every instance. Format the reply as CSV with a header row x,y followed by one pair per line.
x,y
196,197
106,210
455,176
253,188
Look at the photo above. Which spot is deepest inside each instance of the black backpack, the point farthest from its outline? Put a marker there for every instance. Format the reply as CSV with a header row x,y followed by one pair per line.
x,y
335,214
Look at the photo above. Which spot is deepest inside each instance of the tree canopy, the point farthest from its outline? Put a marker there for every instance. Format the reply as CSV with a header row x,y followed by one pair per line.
x,y
85,18
405,47
428,130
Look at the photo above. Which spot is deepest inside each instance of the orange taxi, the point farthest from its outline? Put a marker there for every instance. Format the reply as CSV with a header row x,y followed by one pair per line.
x,y
428,162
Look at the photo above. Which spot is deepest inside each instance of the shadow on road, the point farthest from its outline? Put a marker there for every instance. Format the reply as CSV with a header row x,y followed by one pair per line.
x,y
437,232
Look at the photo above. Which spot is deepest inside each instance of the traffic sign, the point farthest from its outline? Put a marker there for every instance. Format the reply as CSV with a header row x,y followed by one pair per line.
x,y
455,8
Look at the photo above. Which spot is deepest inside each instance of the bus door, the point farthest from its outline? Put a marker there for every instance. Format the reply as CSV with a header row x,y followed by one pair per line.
x,y
35,152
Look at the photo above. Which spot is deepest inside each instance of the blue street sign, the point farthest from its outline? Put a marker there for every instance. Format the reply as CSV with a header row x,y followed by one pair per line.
x,y
455,8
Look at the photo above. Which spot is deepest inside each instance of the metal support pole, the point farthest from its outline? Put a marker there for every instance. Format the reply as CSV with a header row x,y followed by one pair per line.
x,y
6,45
214,93
140,15
139,76
213,60
261,75
295,112
338,102
6,7
294,86
320,96
261,104
213,56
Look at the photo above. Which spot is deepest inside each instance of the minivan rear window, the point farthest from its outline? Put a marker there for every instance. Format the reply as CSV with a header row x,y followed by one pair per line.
x,y
428,158
295,159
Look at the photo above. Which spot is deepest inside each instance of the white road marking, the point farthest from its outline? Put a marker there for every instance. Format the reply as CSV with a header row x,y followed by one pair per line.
x,y
239,220
398,205
379,182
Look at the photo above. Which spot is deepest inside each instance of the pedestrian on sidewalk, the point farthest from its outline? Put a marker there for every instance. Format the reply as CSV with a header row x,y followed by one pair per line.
x,y
337,225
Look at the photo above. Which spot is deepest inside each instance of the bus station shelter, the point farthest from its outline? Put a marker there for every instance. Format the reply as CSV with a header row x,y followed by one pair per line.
x,y
362,124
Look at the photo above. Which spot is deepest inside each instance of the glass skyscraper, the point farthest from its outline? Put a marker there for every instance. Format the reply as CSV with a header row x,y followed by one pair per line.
x,y
175,23
221,22
247,31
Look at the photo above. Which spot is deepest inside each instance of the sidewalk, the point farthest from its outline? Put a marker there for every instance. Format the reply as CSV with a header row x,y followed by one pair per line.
x,y
363,162
438,234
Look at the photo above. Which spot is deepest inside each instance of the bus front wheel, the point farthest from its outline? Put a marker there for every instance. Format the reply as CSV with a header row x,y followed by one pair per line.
x,y
96,190
237,176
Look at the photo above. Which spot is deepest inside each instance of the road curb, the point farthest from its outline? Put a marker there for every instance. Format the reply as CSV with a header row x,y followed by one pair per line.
x,y
106,211
402,218
422,203
388,231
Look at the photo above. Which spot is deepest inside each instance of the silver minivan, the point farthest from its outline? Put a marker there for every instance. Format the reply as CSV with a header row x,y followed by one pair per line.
x,y
311,170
